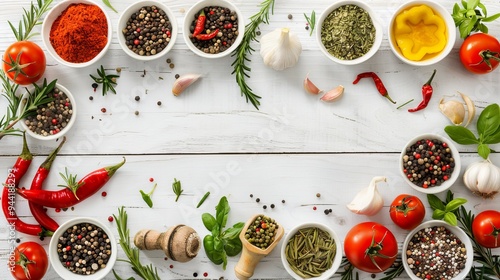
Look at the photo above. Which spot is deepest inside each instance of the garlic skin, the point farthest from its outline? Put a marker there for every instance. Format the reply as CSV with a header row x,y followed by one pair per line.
x,y
368,201
333,94
453,110
184,82
280,49
483,178
310,87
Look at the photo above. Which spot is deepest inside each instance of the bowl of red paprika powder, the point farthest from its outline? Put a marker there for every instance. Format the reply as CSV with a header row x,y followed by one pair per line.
x,y
77,33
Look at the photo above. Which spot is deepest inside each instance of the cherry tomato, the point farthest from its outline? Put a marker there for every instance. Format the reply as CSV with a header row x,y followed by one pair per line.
x,y
370,247
30,261
480,53
24,62
407,211
486,229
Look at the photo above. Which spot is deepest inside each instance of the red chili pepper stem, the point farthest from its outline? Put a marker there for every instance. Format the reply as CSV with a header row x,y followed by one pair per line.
x,y
428,83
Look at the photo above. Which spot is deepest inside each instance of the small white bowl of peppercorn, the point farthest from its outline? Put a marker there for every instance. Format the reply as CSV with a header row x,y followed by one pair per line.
x,y
77,33
213,28
430,163
72,238
349,32
147,30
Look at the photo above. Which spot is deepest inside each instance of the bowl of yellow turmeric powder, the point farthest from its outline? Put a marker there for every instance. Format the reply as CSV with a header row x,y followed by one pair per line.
x,y
421,32
77,33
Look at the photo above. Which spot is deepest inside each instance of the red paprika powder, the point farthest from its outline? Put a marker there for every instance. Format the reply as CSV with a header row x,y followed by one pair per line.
x,y
79,33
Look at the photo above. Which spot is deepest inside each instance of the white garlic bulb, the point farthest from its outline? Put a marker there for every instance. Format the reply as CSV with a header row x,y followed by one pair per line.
x,y
368,201
280,49
483,178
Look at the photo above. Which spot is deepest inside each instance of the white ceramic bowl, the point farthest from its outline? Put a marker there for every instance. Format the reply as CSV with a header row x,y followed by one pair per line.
x,y
65,129
446,184
336,261
65,273
450,32
456,231
53,14
379,33
125,16
191,16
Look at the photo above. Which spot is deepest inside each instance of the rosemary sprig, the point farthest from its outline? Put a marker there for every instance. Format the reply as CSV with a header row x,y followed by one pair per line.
x,y
395,270
108,4
108,81
311,21
176,187
31,18
147,272
71,183
244,50
348,270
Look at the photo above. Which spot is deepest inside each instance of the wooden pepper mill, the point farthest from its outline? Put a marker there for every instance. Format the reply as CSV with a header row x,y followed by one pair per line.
x,y
180,243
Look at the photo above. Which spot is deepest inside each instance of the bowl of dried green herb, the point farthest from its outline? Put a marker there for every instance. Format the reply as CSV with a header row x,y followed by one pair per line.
x,y
311,242
349,32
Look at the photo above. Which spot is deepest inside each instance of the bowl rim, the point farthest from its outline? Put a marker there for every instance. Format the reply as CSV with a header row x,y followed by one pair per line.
x,y
456,171
51,16
450,26
64,130
379,32
198,6
338,255
66,274
127,12
455,230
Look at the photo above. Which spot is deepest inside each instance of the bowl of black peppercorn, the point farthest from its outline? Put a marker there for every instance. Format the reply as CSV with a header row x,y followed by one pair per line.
x,y
147,30
430,163
83,249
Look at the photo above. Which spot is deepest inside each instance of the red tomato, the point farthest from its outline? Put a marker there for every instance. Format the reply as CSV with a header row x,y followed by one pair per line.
x,y
480,53
486,229
407,211
32,257
24,62
370,247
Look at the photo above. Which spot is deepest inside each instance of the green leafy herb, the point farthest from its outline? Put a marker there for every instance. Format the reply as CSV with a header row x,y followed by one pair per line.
x,y
108,4
244,50
470,17
444,211
176,187
220,243
203,199
31,18
145,272
71,183
108,81
147,196
311,21
488,128
347,270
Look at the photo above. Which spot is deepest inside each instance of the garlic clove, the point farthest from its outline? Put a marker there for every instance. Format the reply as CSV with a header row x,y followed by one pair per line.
x,y
453,110
310,87
333,94
368,201
280,49
471,109
184,82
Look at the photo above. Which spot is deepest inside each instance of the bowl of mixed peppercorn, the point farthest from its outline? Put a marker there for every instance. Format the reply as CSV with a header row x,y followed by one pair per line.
x,y
213,28
430,163
83,248
147,30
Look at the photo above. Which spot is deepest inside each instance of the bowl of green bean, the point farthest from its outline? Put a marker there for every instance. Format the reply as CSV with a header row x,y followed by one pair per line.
x,y
311,251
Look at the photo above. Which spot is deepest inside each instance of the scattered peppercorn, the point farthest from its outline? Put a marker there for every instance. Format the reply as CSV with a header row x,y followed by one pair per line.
x,y
195,274
103,194
136,113
251,195
290,16
373,275
91,98
137,98
258,33
272,206
318,195
283,201
58,210
171,65
18,240
151,179
94,86
205,274
177,76
110,218
158,103
103,110
118,69
257,200
314,208
169,60
265,207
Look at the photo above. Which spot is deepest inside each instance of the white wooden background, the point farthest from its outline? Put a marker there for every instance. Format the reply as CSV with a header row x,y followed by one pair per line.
x,y
211,140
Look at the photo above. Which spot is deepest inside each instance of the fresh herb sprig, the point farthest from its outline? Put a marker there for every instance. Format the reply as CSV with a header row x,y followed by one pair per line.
x,y
147,272
470,17
31,18
71,183
203,199
488,128
244,50
108,81
108,4
445,211
311,21
220,243
147,196
177,189
347,270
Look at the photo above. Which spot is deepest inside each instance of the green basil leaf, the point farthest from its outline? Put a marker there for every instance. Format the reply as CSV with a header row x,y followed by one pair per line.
x,y
216,230
224,260
232,233
218,244
435,202
483,150
488,120
494,138
438,214
146,198
451,219
472,4
455,204
233,247
208,220
449,196
212,254
222,211
491,18
461,135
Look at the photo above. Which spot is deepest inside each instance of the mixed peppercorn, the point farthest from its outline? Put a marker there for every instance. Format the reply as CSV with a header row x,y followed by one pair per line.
x,y
261,233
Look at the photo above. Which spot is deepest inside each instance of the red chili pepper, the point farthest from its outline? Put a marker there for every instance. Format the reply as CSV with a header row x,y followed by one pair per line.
x,y
426,94
8,195
204,37
200,23
378,83
65,198
43,171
